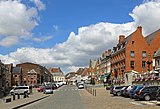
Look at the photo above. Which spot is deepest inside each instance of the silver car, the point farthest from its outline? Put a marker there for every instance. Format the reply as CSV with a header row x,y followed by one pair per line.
x,y
48,90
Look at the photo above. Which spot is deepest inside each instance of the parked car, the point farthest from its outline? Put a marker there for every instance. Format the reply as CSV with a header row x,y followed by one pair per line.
x,y
126,91
134,90
158,95
40,88
54,86
48,90
80,85
116,90
21,90
147,93
123,90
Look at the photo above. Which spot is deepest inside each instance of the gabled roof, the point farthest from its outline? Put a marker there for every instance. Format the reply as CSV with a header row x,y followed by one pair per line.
x,y
79,71
157,54
123,44
28,63
70,75
126,40
84,73
92,64
55,70
151,36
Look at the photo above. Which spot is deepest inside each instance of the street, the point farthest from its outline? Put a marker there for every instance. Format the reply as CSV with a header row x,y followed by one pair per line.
x,y
69,97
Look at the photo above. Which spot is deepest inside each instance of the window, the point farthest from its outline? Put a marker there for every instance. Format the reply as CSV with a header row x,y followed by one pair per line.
x,y
132,64
132,54
132,42
143,64
146,89
153,89
144,54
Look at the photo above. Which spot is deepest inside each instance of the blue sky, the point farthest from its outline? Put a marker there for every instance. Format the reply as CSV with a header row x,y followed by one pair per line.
x,y
67,33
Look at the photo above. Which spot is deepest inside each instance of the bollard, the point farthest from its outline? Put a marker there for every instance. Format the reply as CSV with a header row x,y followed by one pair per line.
x,y
24,95
8,100
18,96
14,97
93,92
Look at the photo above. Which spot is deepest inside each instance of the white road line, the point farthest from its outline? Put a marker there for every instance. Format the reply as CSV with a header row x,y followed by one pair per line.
x,y
147,102
138,104
67,90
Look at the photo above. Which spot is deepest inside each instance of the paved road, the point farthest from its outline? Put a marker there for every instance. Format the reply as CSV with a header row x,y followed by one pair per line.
x,y
67,97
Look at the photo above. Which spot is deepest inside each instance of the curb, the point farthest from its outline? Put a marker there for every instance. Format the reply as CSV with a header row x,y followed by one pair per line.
x,y
17,107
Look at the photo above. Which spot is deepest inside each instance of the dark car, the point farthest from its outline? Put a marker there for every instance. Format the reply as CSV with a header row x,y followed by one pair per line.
x,y
116,90
134,90
126,91
158,95
122,90
147,93
54,86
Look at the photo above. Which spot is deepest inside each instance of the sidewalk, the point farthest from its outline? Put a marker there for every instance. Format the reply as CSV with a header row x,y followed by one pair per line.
x,y
23,101
104,100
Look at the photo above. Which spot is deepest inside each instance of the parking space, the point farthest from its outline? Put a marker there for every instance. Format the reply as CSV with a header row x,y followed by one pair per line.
x,y
105,100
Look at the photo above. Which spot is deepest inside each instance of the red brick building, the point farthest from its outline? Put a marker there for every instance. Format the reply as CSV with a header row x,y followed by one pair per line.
x,y
33,74
135,52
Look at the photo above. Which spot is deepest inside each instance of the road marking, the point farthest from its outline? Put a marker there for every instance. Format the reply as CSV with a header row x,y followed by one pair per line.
x,y
138,104
142,103
147,102
67,90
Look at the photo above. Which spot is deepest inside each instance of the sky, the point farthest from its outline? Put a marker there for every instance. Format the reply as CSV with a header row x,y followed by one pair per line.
x,y
68,33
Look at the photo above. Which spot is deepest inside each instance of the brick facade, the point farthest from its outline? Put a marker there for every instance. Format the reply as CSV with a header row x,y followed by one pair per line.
x,y
135,52
33,74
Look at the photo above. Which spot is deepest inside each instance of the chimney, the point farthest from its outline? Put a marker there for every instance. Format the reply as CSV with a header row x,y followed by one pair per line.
x,y
139,28
121,38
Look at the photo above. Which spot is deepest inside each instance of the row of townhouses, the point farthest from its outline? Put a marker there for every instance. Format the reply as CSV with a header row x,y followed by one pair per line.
x,y
27,74
134,58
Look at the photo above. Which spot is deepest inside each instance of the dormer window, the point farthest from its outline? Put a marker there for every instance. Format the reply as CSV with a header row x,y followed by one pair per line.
x,y
132,42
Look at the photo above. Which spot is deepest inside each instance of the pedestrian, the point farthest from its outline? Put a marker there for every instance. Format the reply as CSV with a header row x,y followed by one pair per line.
x,y
26,93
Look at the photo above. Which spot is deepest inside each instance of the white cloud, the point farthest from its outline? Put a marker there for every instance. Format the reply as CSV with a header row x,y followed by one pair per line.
x,y
42,39
39,4
147,15
90,42
18,20
8,41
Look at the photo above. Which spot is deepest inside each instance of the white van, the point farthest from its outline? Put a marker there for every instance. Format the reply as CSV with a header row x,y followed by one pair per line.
x,y
21,89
